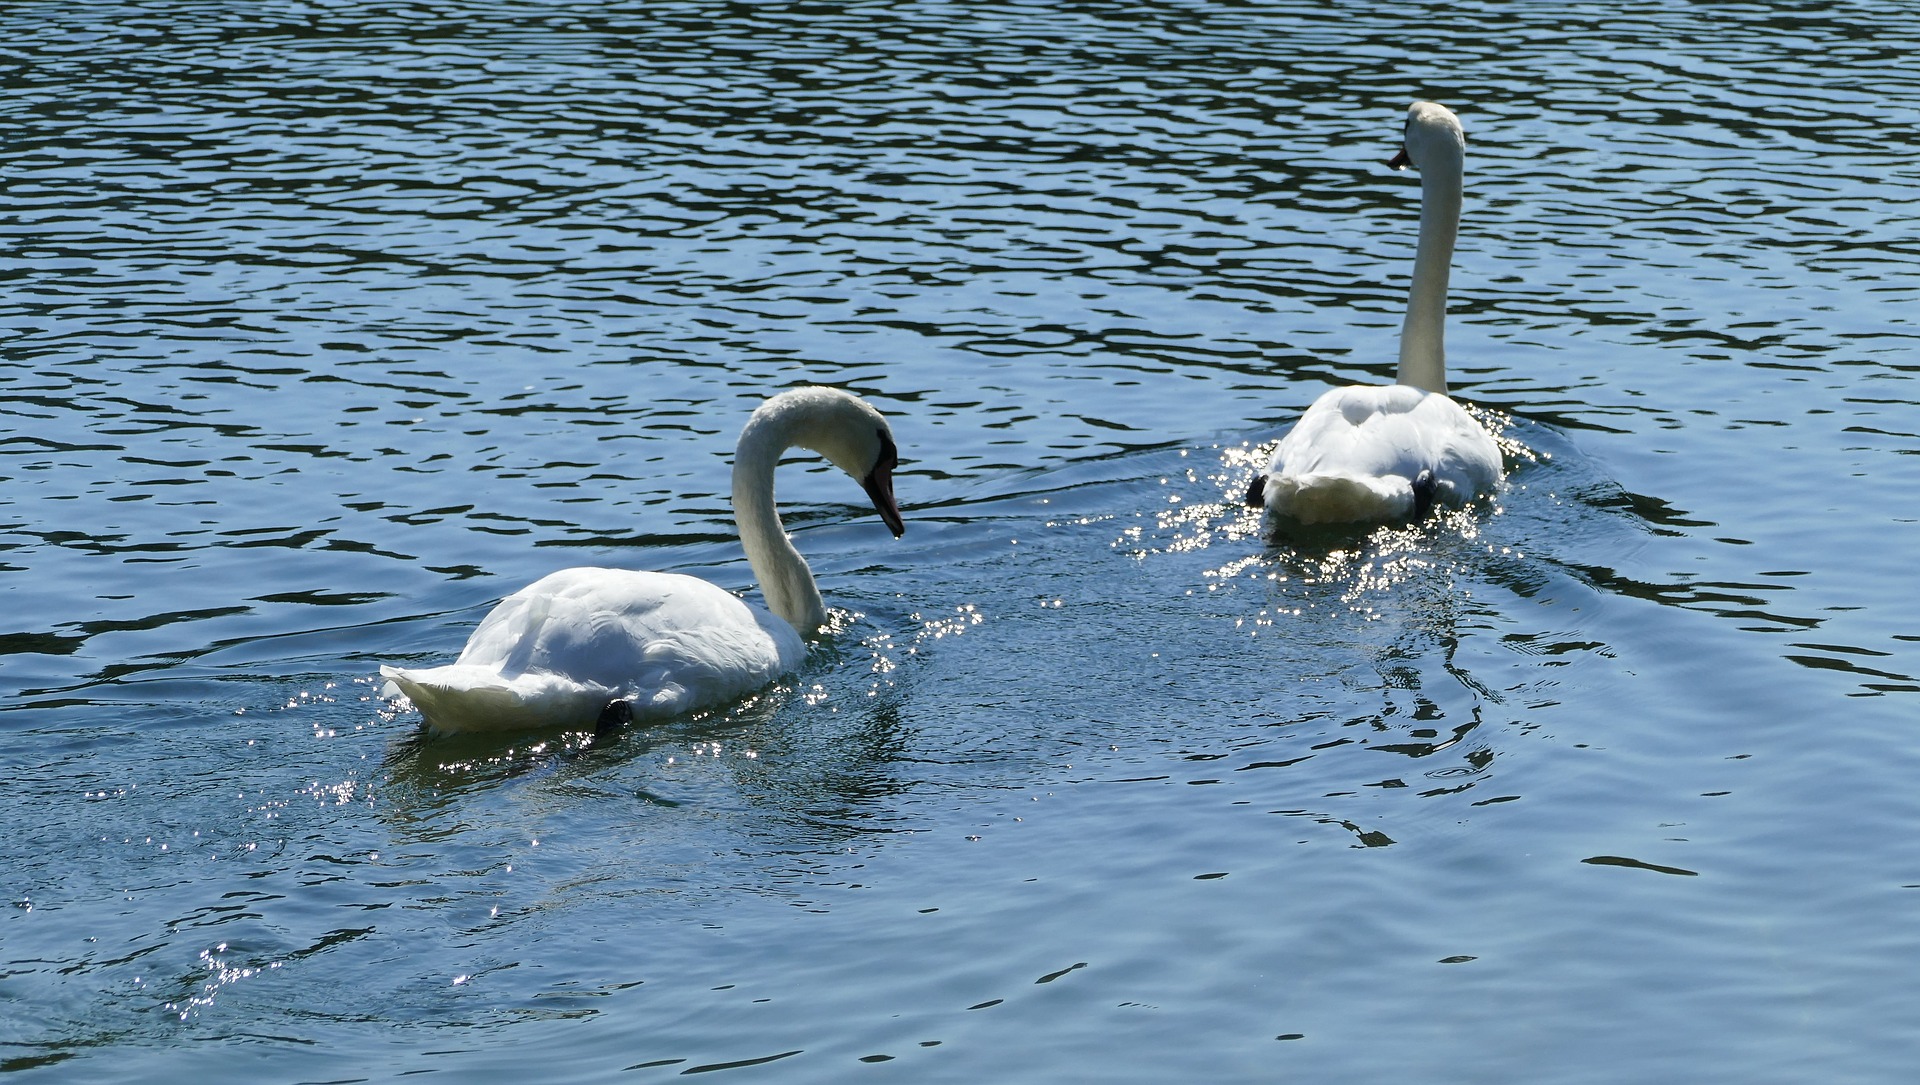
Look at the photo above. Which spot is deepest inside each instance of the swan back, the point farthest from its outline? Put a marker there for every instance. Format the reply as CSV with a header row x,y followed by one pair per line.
x,y
555,652
1360,454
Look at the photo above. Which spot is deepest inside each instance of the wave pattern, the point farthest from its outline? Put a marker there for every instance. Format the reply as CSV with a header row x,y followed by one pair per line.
x,y
328,322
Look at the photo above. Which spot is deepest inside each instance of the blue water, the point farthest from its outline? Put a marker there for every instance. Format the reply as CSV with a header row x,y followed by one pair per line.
x,y
327,324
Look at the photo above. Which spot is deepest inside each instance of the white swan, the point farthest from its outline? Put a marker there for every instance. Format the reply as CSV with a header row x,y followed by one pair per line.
x,y
582,642
1367,453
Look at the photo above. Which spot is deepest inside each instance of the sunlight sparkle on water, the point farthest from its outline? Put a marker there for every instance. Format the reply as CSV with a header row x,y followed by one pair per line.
x,y
304,388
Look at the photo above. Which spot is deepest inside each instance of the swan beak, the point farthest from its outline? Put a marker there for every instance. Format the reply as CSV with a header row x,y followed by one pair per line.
x,y
1400,161
879,487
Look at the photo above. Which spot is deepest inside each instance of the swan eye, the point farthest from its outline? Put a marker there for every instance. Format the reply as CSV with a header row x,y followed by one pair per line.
x,y
889,457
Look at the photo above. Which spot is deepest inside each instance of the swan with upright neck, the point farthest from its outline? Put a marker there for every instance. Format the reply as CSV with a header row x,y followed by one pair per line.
x,y
1375,454
580,644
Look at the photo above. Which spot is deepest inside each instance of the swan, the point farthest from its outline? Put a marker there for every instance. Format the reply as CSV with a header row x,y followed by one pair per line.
x,y
589,647
1371,453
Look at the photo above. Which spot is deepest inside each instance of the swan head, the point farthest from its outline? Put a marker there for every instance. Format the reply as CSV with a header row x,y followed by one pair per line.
x,y
847,431
1433,134
881,458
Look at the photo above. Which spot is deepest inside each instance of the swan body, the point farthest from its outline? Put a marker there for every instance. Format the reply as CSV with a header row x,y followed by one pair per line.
x,y
1372,454
564,649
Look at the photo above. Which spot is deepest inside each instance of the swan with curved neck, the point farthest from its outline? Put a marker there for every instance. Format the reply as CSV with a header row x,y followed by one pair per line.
x,y
1372,454
583,646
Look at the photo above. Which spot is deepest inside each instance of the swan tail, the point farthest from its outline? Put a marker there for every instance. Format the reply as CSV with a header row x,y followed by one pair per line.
x,y
1339,499
464,697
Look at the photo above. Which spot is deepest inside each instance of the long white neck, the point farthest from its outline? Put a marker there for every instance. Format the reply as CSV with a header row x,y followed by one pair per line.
x,y
1423,352
785,580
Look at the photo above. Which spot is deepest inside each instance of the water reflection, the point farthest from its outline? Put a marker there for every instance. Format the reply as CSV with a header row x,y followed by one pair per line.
x,y
1459,627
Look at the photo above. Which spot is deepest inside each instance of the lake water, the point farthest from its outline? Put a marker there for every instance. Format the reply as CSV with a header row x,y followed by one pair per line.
x,y
330,322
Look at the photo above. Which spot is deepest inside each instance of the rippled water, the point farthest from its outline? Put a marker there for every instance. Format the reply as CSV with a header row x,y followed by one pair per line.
x,y
329,323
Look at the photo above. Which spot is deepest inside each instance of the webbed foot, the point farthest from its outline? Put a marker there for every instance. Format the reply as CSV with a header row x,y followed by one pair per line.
x,y
614,718
1424,489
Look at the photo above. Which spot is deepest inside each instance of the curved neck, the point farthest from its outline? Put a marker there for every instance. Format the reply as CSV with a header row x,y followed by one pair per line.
x,y
1423,352
784,578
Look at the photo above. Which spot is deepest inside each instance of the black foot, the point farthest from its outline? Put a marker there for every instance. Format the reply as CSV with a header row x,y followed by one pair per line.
x,y
1424,489
1257,492
613,719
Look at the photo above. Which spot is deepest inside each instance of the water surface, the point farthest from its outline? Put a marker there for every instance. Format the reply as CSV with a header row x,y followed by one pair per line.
x,y
328,324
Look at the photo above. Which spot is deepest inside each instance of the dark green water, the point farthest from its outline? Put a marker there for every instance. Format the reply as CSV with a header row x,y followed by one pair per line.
x,y
328,324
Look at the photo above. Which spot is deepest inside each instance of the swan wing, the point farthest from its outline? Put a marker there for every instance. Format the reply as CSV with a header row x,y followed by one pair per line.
x,y
556,651
1356,453
462,697
1463,456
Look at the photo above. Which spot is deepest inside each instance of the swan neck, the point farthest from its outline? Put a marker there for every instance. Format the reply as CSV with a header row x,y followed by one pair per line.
x,y
785,580
1423,354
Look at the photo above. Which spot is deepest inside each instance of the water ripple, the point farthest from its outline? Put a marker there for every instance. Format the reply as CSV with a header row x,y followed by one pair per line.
x,y
330,322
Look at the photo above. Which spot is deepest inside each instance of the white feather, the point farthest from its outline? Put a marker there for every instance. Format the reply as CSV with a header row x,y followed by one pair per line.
x,y
1354,456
